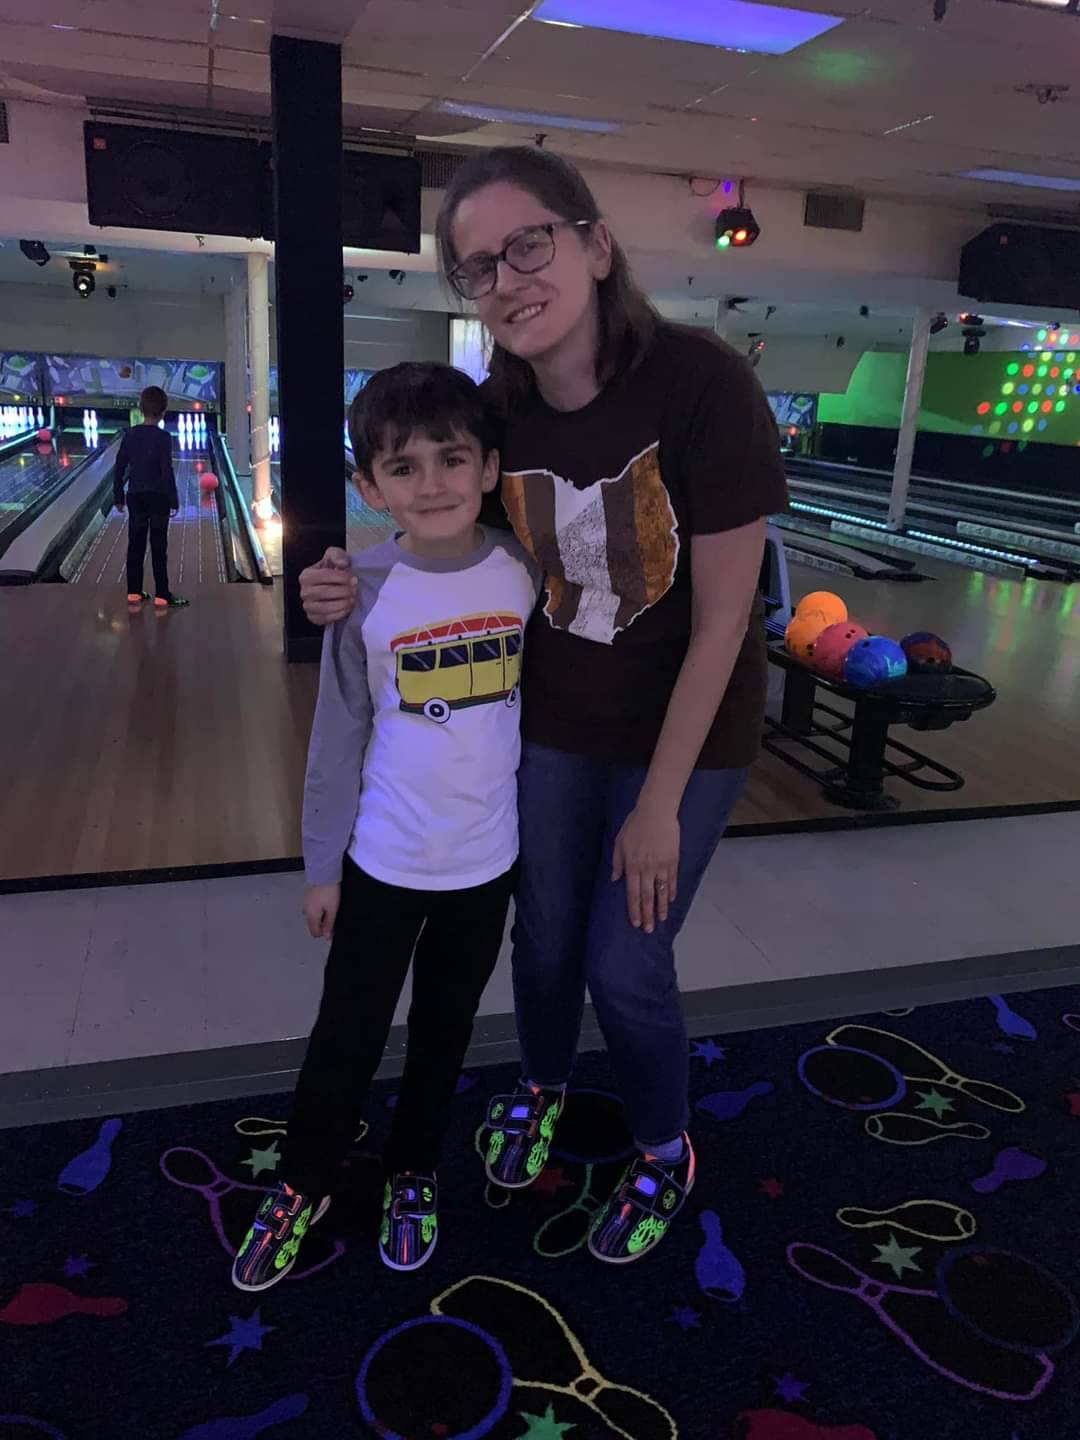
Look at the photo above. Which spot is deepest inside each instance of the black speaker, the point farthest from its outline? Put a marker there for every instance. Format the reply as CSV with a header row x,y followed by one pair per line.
x,y
1023,265
381,202
147,179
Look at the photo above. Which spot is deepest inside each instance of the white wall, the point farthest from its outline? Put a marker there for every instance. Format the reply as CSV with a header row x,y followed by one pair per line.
x,y
55,320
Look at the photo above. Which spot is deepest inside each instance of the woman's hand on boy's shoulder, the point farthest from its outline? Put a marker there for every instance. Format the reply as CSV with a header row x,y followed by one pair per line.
x,y
320,909
328,589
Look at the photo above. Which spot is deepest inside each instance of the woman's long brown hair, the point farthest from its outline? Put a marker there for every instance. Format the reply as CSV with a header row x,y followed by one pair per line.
x,y
628,321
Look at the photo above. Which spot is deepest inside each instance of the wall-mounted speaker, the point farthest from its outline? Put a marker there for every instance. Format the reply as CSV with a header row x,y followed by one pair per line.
x,y
144,178
1015,264
381,202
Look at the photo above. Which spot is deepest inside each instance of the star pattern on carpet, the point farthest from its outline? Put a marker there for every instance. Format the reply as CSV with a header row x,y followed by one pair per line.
x,y
935,1101
78,1267
685,1317
771,1187
1004,1048
543,1427
898,1257
22,1209
709,1051
260,1160
551,1180
243,1334
788,1388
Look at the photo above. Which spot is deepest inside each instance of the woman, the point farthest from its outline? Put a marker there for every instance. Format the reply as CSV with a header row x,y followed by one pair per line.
x,y
639,463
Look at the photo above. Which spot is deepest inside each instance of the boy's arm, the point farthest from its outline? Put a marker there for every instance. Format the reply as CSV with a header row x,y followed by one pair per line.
x,y
169,475
120,472
339,738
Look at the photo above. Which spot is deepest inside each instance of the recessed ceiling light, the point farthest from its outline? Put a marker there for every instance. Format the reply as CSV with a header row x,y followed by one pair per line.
x,y
1022,177
496,114
727,24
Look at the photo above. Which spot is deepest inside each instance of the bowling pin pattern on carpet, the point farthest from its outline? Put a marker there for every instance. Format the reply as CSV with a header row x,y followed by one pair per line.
x,y
249,1427
87,1170
717,1270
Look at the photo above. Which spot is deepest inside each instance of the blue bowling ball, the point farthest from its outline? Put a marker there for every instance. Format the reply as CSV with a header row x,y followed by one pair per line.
x,y
874,661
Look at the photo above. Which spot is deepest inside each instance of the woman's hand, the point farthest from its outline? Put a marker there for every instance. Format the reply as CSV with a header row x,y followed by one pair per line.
x,y
328,589
647,854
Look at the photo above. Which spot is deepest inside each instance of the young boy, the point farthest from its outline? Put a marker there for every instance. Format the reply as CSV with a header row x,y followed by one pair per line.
x,y
144,465
412,778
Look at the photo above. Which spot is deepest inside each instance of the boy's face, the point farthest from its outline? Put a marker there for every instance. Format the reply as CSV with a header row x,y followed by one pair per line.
x,y
432,488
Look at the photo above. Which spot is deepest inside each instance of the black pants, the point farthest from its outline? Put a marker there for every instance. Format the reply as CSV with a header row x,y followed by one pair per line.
x,y
453,940
148,514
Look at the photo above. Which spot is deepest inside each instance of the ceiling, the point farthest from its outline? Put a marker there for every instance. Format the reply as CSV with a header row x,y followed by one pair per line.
x,y
887,102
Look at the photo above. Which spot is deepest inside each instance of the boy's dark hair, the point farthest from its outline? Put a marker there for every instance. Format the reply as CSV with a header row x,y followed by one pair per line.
x,y
436,400
153,402
628,321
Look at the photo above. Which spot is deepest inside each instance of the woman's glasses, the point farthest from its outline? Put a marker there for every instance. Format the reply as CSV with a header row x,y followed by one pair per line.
x,y
528,251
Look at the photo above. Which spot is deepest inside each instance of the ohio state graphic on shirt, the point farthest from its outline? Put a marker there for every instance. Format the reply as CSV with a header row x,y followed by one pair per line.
x,y
609,551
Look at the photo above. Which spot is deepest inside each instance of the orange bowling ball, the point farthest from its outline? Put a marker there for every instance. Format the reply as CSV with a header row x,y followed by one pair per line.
x,y
825,604
832,646
801,636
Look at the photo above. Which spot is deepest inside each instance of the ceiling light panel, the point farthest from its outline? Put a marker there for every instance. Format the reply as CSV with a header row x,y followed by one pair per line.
x,y
724,24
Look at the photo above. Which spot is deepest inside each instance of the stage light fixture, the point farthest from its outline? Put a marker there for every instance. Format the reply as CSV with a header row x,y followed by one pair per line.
x,y
82,278
939,323
347,293
973,332
736,228
35,251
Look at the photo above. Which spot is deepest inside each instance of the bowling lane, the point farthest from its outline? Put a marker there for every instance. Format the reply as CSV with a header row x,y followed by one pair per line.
x,y
32,472
195,552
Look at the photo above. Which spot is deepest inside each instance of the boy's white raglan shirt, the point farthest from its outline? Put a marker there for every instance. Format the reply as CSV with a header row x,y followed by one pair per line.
x,y
412,764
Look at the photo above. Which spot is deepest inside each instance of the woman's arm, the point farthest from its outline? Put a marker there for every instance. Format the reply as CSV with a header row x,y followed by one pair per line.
x,y
724,572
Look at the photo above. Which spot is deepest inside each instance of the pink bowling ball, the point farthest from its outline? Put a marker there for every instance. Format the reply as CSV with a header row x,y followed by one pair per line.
x,y
208,482
44,435
832,646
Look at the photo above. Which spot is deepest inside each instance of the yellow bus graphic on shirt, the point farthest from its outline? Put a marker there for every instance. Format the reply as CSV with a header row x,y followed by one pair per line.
x,y
474,660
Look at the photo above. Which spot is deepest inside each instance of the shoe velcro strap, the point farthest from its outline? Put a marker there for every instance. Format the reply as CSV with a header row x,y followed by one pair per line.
x,y
421,1200
515,1114
652,1190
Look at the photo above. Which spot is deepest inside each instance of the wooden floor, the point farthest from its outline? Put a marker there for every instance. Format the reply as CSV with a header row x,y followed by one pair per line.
x,y
148,740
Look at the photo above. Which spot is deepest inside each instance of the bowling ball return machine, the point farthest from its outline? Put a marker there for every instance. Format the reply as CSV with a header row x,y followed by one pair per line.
x,y
850,753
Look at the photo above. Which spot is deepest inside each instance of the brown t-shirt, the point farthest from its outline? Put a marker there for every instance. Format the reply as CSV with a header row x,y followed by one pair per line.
x,y
607,499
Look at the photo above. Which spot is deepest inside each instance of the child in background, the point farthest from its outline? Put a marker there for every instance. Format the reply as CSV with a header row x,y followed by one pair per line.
x,y
410,807
144,470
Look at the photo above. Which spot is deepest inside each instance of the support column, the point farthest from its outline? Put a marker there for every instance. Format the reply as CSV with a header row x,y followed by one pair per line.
x,y
305,93
723,319
258,313
236,373
909,418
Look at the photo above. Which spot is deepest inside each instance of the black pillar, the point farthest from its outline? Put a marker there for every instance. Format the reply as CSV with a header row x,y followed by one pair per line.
x,y
305,90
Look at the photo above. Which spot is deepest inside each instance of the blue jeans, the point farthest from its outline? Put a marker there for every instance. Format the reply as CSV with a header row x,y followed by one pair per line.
x,y
572,929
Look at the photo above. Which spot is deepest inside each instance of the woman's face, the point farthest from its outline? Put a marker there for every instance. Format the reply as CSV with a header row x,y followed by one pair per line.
x,y
531,315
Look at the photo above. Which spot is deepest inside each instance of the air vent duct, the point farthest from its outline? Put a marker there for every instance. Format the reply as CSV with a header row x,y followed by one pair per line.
x,y
827,211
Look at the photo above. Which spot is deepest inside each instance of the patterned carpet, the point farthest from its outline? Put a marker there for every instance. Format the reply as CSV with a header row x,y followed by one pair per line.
x,y
881,1246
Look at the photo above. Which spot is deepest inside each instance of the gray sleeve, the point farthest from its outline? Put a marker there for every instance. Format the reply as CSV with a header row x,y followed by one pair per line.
x,y
513,547
339,739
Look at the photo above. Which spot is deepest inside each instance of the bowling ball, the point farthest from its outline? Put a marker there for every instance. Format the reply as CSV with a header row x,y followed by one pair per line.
x,y
44,435
874,661
207,481
801,636
824,603
927,654
832,645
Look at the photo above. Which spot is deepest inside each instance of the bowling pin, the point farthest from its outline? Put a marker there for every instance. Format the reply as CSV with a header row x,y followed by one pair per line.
x,y
1009,1164
1009,1022
729,1104
87,1170
929,1219
246,1427
40,1303
920,1321
896,1128
718,1272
